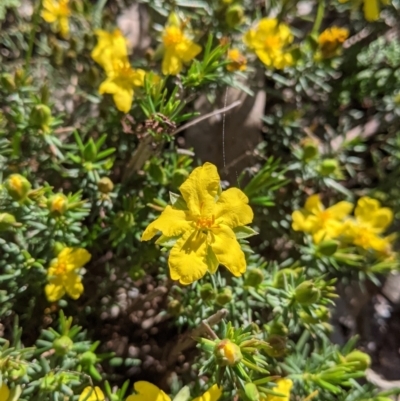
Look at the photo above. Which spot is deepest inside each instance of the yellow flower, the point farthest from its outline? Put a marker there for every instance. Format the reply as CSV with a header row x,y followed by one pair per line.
x,y
322,223
121,82
4,392
92,394
179,49
370,220
331,39
57,12
371,8
203,220
283,386
269,41
237,62
110,46
62,274
149,392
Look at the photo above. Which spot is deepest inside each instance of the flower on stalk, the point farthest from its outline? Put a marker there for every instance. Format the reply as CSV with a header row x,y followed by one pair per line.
x,y
237,62
370,221
331,40
178,48
371,8
92,394
283,386
146,391
321,223
269,40
202,221
62,274
121,82
57,12
110,46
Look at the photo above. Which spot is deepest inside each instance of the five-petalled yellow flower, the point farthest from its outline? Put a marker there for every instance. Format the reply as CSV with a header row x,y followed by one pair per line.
x,y
57,12
203,220
269,40
62,275
146,391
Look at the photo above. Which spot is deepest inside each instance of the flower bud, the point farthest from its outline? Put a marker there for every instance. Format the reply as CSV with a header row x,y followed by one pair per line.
x,y
17,187
322,314
307,293
207,292
234,15
227,353
363,360
285,275
277,346
17,372
40,117
174,307
328,247
90,151
62,345
277,328
7,221
124,220
88,359
328,167
310,149
251,392
58,204
224,296
7,82
254,277
105,185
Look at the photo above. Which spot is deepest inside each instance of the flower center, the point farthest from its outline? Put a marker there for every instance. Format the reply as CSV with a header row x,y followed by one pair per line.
x,y
324,216
272,42
172,36
205,222
16,183
123,69
61,268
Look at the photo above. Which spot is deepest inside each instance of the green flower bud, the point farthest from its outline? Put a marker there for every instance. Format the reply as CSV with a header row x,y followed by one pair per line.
x,y
310,149
251,392
7,221
174,307
62,345
7,81
328,167
363,360
18,372
277,328
306,293
207,292
224,296
277,346
227,353
254,277
88,359
322,314
105,185
58,204
285,275
124,220
17,186
328,247
90,151
40,117
234,15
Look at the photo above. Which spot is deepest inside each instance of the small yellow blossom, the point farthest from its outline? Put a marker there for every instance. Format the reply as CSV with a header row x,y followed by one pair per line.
x,y
371,8
110,46
62,274
322,223
4,392
283,386
203,220
57,12
179,49
146,391
331,40
269,40
237,62
370,221
92,394
121,82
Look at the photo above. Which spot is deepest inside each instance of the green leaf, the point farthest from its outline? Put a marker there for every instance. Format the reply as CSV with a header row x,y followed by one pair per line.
x,y
183,395
244,232
168,242
177,201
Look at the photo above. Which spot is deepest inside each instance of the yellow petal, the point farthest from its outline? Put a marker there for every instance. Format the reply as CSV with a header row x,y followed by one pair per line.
x,y
92,394
340,210
73,285
123,99
171,64
172,222
283,386
4,392
200,189
54,290
147,392
64,26
188,257
313,204
212,394
265,57
48,16
382,219
74,257
300,221
227,250
232,209
371,10
187,50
